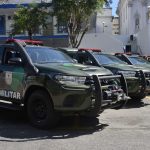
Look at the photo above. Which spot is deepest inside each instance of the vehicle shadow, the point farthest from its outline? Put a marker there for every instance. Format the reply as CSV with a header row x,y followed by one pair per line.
x,y
14,127
131,103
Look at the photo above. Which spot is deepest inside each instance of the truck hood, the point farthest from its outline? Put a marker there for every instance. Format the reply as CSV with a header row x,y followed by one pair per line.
x,y
72,69
123,67
144,67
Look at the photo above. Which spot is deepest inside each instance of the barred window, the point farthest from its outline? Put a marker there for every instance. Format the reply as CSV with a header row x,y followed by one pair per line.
x,y
61,27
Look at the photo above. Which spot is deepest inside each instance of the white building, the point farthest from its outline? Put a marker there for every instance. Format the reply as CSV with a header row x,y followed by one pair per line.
x,y
104,21
7,10
135,21
115,25
105,33
53,35
133,15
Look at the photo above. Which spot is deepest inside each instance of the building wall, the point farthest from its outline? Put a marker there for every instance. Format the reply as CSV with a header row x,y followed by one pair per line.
x,y
134,20
115,25
143,41
104,41
104,21
133,15
123,17
7,10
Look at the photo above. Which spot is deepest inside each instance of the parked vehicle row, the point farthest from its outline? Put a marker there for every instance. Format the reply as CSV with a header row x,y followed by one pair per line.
x,y
137,60
138,86
47,83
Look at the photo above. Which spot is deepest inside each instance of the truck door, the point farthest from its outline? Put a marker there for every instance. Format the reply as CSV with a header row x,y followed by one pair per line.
x,y
11,75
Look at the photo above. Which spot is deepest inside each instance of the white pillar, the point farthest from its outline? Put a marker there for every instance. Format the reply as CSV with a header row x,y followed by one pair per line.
x,y
130,24
148,14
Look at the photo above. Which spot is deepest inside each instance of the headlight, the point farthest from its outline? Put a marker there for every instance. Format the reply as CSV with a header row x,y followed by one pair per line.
x,y
63,79
127,73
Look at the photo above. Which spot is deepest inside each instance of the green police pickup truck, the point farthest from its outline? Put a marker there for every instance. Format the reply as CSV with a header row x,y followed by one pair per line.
x,y
140,62
47,84
136,81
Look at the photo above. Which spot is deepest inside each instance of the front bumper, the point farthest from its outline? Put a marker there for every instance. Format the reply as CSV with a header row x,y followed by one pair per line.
x,y
90,99
147,78
136,85
105,95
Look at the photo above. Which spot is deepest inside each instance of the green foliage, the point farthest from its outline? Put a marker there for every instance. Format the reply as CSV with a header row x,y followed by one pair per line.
x,y
29,19
76,14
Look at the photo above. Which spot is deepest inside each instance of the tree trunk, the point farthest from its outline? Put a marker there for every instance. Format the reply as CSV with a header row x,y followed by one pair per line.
x,y
76,35
30,34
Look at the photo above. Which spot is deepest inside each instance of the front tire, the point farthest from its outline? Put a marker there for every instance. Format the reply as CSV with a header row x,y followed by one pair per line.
x,y
138,97
40,110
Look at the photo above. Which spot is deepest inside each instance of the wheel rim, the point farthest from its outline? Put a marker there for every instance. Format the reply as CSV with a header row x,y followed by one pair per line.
x,y
39,110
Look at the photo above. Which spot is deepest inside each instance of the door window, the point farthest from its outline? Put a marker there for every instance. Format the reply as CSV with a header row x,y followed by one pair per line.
x,y
9,54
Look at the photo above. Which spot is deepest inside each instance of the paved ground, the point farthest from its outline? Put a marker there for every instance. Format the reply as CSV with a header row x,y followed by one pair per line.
x,y
124,129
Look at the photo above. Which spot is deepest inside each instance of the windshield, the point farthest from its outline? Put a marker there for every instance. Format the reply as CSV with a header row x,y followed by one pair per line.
x,y
47,55
138,60
106,59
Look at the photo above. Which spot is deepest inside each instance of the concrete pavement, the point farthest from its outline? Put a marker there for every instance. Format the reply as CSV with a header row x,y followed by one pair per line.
x,y
124,129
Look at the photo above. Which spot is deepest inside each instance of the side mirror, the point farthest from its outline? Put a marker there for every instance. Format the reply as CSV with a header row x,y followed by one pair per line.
x,y
88,62
15,61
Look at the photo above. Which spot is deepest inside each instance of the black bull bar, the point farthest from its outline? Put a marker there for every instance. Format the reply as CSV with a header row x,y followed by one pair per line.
x,y
99,93
142,78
